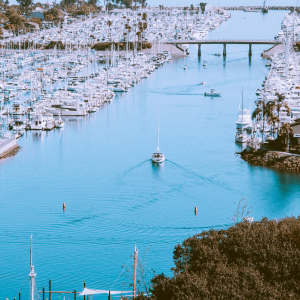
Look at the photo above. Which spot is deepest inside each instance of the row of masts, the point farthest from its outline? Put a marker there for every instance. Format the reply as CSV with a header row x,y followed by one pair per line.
x,y
32,284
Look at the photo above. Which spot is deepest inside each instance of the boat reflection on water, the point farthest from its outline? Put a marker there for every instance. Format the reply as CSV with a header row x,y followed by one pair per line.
x,y
157,168
38,135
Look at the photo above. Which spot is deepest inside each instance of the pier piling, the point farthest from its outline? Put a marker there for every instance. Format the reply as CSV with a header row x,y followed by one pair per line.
x,y
19,296
49,289
196,210
224,49
250,49
75,295
199,49
84,288
43,293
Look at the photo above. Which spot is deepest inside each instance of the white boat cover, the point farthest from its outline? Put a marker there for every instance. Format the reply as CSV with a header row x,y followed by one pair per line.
x,y
87,291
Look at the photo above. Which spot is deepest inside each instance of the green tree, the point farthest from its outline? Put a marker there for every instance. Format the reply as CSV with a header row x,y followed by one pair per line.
x,y
202,6
264,110
24,3
278,103
286,133
93,2
258,260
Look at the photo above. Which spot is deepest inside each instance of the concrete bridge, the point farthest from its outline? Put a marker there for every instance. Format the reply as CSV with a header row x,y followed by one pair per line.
x,y
224,43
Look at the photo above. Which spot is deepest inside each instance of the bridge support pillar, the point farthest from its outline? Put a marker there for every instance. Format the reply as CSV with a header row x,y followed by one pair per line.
x,y
224,49
250,49
199,49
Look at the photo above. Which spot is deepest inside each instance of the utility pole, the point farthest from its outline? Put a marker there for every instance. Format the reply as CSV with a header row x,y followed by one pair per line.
x,y
134,270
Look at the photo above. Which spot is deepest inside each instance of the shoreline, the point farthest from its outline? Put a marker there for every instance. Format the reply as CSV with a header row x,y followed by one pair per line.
x,y
274,159
10,152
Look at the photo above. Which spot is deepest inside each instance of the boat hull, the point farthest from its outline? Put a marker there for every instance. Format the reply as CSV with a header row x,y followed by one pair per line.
x,y
158,158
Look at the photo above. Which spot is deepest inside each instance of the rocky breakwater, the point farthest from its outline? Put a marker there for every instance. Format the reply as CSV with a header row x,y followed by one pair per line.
x,y
273,159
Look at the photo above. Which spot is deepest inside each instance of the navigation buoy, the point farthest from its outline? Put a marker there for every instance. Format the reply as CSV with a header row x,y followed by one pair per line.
x,y
196,210
64,206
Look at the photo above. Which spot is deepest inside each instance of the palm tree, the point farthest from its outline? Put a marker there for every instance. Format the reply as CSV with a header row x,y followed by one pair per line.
x,y
144,17
202,6
279,104
266,110
286,131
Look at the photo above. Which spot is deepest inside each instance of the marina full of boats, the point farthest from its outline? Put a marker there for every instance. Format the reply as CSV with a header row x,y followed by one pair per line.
x,y
70,84
278,101
150,26
38,87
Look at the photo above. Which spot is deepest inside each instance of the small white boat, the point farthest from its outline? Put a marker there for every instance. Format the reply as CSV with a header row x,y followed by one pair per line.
x,y
38,122
158,157
241,137
213,93
185,68
265,128
203,82
244,121
204,64
270,138
118,89
59,123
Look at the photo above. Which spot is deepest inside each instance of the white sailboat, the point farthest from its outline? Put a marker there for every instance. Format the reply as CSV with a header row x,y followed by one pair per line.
x,y
59,123
158,157
240,136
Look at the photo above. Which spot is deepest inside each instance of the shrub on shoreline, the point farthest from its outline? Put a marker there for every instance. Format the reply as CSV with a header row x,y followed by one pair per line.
x,y
259,260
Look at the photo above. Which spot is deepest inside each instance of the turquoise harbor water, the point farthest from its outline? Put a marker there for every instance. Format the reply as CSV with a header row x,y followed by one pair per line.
x,y
115,197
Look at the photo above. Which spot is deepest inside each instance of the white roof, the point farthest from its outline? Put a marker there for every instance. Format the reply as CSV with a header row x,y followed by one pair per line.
x,y
39,9
87,291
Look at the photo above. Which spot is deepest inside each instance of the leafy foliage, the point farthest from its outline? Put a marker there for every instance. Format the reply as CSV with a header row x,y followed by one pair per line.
x,y
53,13
36,20
121,45
259,260
24,3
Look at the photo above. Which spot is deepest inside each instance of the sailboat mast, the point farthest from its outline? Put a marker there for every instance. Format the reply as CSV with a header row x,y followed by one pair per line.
x,y
31,252
31,275
158,131
134,270
242,109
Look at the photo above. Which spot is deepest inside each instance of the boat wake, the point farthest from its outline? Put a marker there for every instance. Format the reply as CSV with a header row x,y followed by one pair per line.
x,y
127,223
195,174
93,217
132,169
178,93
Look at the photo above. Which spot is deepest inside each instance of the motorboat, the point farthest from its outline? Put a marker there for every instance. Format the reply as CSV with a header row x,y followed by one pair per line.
x,y
241,137
50,121
158,157
213,93
244,119
38,122
118,89
17,108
